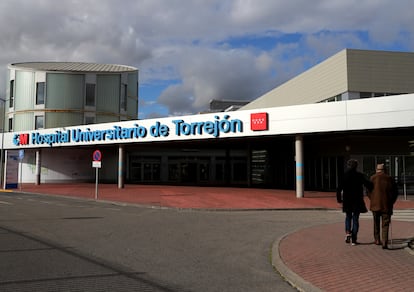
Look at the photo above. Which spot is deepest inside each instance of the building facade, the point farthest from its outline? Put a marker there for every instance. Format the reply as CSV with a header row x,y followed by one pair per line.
x,y
44,95
303,144
349,74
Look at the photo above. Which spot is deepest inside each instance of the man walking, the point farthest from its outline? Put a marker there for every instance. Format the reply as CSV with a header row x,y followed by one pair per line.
x,y
382,197
350,193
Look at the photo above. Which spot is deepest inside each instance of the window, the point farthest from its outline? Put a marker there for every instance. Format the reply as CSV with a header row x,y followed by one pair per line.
x,y
90,94
40,93
39,122
124,94
389,93
11,93
365,94
10,124
332,99
89,120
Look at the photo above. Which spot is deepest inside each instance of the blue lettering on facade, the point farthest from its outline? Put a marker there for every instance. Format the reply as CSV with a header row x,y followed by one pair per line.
x,y
117,133
159,130
58,137
212,128
215,128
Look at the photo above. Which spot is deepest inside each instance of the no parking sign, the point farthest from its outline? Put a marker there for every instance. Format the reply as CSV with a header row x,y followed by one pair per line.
x,y
96,157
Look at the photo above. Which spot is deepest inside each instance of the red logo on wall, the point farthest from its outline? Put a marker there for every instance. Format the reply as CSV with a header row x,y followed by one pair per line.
x,y
259,122
21,139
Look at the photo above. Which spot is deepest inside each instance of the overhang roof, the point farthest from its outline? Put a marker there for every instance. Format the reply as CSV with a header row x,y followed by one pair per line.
x,y
73,67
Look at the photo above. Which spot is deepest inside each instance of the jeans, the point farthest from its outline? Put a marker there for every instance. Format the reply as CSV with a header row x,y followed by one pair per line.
x,y
352,224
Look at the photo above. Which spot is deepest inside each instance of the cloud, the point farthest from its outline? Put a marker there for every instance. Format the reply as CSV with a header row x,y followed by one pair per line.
x,y
215,73
200,50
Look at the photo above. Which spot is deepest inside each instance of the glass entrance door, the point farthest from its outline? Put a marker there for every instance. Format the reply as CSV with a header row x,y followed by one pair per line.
x,y
189,170
398,166
144,169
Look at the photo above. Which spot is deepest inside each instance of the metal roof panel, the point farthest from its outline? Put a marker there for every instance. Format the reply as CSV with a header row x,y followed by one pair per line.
x,y
73,67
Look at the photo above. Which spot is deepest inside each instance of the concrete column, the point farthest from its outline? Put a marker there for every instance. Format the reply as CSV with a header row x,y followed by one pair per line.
x,y
249,165
121,167
38,166
299,166
5,169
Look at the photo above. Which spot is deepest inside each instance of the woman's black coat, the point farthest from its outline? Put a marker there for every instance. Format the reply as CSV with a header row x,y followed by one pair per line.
x,y
350,191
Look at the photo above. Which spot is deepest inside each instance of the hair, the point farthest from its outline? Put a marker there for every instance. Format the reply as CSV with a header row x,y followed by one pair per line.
x,y
352,163
380,167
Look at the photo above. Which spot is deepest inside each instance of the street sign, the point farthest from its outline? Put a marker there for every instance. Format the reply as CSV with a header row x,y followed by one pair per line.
x,y
96,164
97,155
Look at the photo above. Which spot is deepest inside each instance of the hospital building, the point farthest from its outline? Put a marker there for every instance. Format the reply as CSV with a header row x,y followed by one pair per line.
x,y
64,120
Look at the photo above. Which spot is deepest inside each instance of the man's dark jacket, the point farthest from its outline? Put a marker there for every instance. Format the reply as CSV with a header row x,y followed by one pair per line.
x,y
384,194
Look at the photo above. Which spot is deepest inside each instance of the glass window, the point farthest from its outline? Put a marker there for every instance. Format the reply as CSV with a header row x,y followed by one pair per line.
x,y
40,93
10,124
333,98
204,171
90,94
39,122
239,170
368,165
89,120
220,170
11,93
11,88
124,94
409,167
365,94
173,172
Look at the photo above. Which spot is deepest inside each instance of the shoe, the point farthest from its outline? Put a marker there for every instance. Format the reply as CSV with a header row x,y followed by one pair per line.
x,y
348,238
354,243
378,242
384,247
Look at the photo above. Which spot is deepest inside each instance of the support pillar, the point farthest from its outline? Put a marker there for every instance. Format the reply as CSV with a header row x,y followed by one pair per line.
x,y
38,166
299,166
121,167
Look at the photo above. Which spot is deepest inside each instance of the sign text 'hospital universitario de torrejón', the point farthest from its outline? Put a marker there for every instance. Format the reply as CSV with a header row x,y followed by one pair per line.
x,y
215,128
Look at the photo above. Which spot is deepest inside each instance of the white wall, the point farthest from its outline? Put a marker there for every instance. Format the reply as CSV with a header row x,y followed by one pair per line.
x,y
59,165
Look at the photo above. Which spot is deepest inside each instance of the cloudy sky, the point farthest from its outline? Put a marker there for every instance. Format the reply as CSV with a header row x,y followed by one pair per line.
x,y
191,51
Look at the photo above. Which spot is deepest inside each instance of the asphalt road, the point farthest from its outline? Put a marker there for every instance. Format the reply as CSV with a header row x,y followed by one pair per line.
x,y
50,243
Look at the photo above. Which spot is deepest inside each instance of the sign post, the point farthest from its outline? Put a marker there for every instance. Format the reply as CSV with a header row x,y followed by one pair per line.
x,y
96,163
21,156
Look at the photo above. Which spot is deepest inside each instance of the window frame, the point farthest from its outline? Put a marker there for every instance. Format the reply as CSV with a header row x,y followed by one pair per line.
x,y
124,96
90,100
10,125
92,120
36,122
40,95
11,97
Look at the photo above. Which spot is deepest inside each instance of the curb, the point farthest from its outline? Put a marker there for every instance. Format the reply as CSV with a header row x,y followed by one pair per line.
x,y
288,275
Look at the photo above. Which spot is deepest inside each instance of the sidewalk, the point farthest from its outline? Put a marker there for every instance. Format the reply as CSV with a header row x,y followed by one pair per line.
x,y
190,197
311,259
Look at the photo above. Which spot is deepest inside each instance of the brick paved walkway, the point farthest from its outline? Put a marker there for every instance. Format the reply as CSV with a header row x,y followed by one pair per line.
x,y
320,256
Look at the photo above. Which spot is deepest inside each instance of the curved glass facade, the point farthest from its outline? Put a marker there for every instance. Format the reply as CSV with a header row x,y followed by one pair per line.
x,y
40,96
